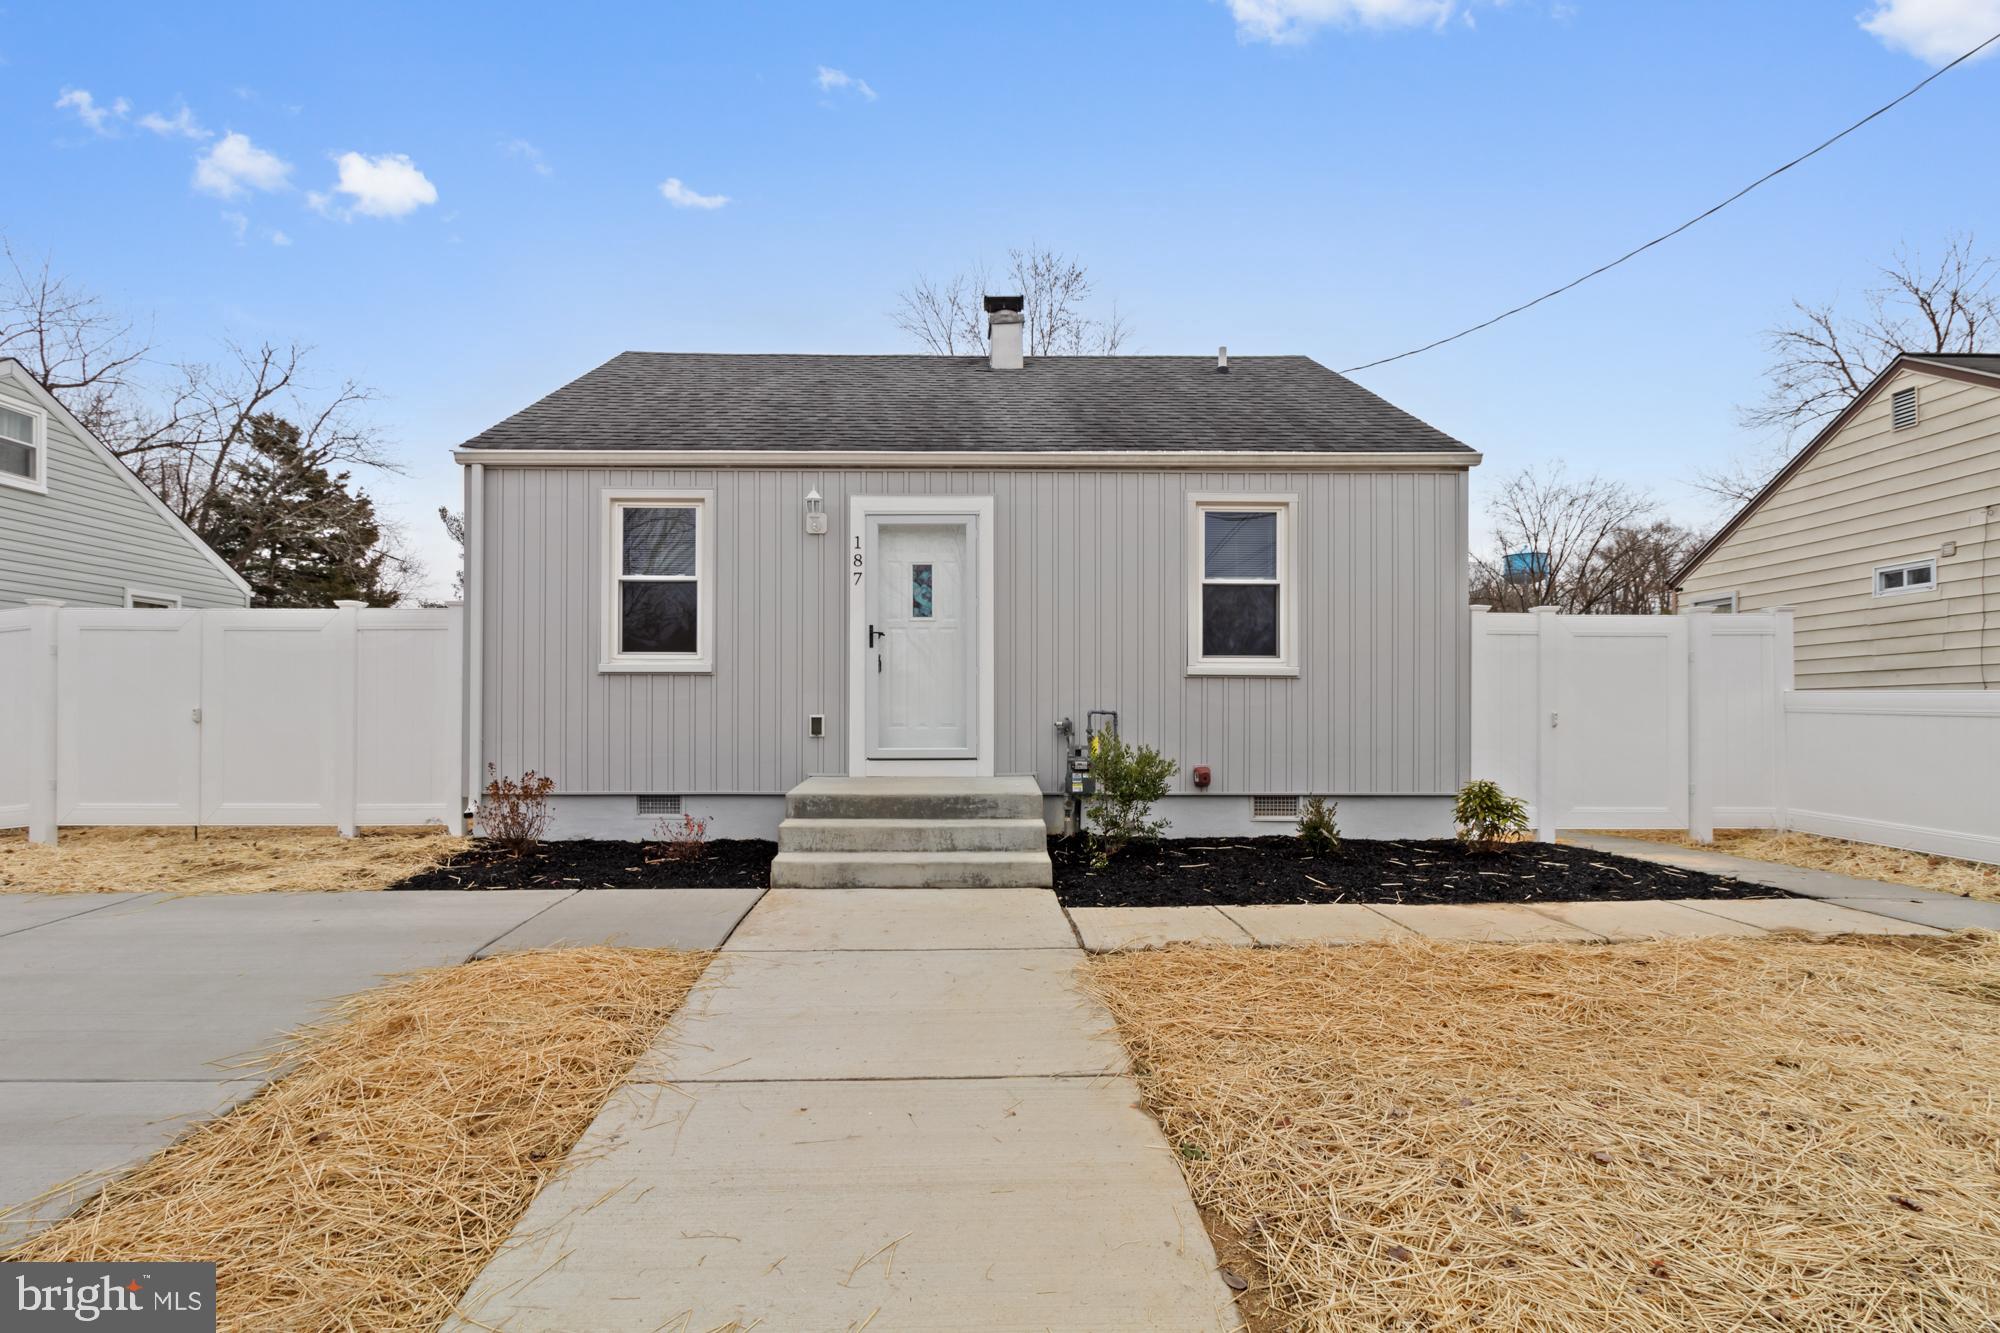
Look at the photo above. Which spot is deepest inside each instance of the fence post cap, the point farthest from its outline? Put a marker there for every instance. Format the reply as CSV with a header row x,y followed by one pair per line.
x,y
347,604
1545,610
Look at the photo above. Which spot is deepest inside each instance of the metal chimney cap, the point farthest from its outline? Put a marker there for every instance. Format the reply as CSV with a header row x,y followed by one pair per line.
x,y
995,304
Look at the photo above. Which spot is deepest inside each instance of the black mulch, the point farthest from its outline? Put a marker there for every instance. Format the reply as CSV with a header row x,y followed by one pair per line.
x,y
602,864
1231,872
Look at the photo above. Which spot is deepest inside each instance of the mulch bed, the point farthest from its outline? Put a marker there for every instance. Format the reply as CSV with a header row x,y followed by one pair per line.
x,y
1233,872
592,863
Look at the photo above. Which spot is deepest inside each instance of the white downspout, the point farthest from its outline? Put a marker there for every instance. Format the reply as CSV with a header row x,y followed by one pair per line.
x,y
475,634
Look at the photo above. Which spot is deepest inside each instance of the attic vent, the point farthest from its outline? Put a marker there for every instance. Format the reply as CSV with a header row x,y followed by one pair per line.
x,y
1274,807
659,805
1903,408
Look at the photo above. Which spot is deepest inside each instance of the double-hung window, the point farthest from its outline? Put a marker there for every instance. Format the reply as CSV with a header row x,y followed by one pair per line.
x,y
23,432
1243,587
660,583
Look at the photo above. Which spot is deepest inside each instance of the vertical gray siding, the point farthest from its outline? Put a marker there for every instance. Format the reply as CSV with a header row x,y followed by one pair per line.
x,y
1091,612
92,536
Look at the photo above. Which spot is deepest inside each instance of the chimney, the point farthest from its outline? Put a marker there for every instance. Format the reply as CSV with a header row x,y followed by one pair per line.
x,y
1003,330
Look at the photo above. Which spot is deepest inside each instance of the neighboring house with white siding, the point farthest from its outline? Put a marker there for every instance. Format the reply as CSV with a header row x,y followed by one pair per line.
x,y
1882,534
77,527
696,580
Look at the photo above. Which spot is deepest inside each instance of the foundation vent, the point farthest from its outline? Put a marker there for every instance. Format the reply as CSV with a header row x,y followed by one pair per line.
x,y
659,805
1274,807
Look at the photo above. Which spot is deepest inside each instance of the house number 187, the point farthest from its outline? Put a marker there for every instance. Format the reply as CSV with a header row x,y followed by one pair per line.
x,y
857,559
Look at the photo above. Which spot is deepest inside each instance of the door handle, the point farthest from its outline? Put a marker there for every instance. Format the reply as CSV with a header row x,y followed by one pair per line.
x,y
878,664
874,634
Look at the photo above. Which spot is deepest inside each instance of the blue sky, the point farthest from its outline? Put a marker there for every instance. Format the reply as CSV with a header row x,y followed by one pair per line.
x,y
466,213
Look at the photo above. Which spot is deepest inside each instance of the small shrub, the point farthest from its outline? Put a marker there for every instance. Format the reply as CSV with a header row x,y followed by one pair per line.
x,y
515,813
1487,816
683,839
1317,828
1128,782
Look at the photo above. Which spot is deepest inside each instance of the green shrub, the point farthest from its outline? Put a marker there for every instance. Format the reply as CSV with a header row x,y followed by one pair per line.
x,y
1317,829
1128,780
1487,816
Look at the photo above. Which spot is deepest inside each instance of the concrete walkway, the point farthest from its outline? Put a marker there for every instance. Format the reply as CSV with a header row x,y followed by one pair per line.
x,y
1947,911
889,1108
124,1012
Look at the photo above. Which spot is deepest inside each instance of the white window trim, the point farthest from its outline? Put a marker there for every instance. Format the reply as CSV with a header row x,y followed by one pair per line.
x,y
39,483
171,601
1928,562
1286,663
1718,600
702,660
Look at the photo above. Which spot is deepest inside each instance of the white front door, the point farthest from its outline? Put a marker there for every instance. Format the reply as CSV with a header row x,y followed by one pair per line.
x,y
922,651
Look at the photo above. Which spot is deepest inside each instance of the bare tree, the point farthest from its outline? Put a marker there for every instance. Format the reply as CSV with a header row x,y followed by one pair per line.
x,y
1567,530
69,342
184,449
454,528
1822,360
948,318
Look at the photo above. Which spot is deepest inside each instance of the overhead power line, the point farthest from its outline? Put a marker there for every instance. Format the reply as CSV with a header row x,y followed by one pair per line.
x,y
1633,253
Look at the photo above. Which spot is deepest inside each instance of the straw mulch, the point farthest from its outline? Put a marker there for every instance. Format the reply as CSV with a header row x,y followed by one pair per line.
x,y
1863,860
219,860
367,1186
1719,1134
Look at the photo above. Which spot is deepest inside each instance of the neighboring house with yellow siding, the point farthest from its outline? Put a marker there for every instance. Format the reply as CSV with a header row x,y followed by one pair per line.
x,y
1883,535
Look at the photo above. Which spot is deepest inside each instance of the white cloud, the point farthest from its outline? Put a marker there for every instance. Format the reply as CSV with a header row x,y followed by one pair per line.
x,y
279,238
1282,22
530,154
235,164
182,123
680,196
88,110
238,223
1937,31
835,80
387,186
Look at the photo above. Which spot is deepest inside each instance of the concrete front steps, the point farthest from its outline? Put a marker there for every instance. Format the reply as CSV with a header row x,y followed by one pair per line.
x,y
906,833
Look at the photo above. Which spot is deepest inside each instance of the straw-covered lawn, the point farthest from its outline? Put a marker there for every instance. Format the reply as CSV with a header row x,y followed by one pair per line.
x,y
1720,1134
218,860
367,1186
1864,860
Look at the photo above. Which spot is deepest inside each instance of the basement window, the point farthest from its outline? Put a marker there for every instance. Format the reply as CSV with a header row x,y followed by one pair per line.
x,y
1242,585
1903,409
659,581
1916,576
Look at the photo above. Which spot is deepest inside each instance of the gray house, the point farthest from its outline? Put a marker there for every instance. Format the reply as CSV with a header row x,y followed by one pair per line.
x,y
696,581
77,527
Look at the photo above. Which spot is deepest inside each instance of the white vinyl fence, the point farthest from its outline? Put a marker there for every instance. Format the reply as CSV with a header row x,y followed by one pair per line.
x,y
342,718
1691,721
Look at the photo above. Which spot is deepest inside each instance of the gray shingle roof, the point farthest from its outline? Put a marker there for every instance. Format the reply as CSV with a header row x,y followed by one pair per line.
x,y
674,400
1987,363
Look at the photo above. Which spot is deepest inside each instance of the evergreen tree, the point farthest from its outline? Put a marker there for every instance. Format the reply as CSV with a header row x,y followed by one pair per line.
x,y
293,529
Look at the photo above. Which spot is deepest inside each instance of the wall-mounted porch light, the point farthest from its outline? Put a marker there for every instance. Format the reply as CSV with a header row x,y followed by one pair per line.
x,y
815,514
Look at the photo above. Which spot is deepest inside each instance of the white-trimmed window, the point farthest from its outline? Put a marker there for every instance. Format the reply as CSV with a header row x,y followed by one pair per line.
x,y
24,433
659,562
140,599
1243,588
1912,576
1722,603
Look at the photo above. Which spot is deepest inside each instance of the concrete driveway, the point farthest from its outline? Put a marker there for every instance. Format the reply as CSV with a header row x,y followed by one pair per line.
x,y
123,1012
